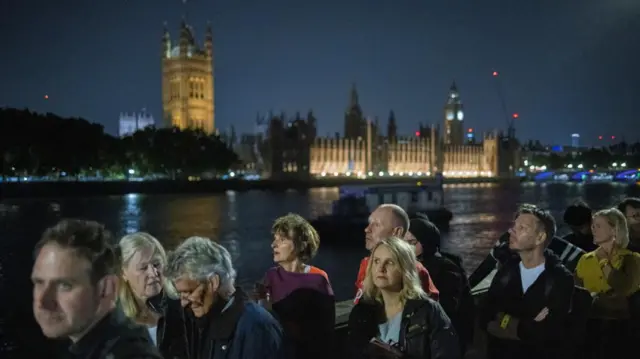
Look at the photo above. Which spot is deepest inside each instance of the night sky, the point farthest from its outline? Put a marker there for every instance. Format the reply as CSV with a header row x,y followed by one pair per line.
x,y
564,67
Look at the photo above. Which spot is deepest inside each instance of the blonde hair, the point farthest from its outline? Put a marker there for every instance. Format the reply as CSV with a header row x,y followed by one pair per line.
x,y
404,256
129,246
617,220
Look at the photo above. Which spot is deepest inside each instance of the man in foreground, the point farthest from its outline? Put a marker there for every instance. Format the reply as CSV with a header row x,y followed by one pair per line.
x,y
74,294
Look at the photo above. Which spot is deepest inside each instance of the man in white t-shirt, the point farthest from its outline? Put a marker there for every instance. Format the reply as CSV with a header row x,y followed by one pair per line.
x,y
529,299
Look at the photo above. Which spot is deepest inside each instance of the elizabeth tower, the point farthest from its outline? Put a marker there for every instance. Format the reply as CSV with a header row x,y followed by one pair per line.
x,y
188,99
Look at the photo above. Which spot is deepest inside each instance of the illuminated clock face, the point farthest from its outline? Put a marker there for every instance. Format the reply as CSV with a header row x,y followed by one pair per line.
x,y
460,115
449,115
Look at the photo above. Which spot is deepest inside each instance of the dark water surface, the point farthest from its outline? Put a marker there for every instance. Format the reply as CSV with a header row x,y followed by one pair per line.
x,y
242,222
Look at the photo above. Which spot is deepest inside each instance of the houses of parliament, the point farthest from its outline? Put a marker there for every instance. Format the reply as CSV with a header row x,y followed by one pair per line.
x,y
292,149
289,148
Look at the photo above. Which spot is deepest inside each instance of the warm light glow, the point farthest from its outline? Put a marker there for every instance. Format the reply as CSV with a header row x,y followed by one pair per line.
x,y
599,137
46,97
470,130
515,115
495,73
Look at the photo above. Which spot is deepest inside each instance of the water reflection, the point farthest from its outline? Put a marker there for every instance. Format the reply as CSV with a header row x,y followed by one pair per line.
x,y
131,215
241,221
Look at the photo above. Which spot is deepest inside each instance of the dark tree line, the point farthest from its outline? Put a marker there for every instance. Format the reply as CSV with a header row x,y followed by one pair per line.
x,y
33,144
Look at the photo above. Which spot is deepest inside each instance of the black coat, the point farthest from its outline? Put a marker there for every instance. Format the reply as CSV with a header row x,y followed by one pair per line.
x,y
426,331
171,334
115,337
553,289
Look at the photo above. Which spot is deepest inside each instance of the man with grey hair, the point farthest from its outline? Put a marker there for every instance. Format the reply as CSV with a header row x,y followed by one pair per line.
x,y
389,220
228,324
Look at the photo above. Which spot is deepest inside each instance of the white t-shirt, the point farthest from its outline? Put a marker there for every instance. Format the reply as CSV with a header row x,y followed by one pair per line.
x,y
153,333
529,275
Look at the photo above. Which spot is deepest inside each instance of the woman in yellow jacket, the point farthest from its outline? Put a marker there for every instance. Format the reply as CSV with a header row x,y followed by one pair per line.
x,y
612,274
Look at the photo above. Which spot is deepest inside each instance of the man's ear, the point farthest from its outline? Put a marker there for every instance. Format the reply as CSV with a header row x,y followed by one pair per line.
x,y
108,287
214,283
542,237
398,232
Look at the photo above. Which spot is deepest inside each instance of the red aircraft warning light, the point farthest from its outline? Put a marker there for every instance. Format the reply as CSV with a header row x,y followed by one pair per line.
x,y
515,115
495,73
599,137
417,133
470,130
46,97
613,137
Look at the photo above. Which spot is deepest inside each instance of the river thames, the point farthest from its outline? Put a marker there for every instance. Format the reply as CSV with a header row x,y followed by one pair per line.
x,y
242,222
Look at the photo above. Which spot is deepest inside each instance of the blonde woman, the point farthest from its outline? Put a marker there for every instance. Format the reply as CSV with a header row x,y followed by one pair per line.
x,y
148,298
395,317
612,274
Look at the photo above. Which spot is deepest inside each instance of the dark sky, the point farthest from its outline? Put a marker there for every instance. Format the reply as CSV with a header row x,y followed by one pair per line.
x,y
566,66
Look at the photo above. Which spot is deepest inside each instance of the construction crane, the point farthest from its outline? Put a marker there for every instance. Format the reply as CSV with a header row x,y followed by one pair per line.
x,y
511,130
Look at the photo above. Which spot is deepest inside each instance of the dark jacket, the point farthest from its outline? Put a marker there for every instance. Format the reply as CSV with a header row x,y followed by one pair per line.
x,y
455,295
171,335
242,330
582,241
115,337
553,289
426,331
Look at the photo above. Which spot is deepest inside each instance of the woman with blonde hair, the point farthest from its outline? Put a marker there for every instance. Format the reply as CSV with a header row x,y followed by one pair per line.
x,y
147,297
612,274
395,317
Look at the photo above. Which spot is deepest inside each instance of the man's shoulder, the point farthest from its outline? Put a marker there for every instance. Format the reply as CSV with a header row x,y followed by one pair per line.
x,y
256,315
133,343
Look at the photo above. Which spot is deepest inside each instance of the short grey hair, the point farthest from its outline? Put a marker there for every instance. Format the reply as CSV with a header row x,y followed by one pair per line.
x,y
200,258
400,216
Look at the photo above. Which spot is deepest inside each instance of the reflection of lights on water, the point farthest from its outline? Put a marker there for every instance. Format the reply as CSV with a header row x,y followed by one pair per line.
x,y
131,216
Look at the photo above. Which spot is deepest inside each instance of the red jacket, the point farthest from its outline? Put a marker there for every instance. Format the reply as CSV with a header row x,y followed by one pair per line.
x,y
425,278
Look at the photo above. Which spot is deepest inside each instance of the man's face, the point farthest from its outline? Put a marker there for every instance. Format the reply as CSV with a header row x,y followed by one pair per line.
x,y
381,226
198,296
65,301
526,233
633,216
414,242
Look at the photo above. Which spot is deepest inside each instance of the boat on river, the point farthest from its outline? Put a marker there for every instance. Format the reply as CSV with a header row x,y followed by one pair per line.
x,y
350,214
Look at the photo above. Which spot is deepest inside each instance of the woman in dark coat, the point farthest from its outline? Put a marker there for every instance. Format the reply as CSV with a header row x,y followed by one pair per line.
x,y
395,318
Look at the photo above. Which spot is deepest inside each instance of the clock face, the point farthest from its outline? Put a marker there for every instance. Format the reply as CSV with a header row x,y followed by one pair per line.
x,y
460,115
449,115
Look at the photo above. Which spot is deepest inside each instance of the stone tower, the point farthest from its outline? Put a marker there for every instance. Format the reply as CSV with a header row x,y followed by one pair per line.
x,y
453,118
188,97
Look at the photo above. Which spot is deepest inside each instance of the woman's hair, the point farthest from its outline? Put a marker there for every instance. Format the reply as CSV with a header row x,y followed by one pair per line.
x,y
129,246
617,220
306,240
405,257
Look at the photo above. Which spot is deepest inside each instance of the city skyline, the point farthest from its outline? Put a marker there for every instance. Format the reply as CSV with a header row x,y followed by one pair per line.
x,y
400,57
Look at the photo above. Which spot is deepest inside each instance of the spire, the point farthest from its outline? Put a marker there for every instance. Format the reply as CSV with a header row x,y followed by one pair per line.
x,y
208,40
166,42
453,87
354,96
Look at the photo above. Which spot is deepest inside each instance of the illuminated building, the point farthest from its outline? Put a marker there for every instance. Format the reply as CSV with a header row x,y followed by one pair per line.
x,y
130,123
187,81
470,137
292,150
453,118
575,140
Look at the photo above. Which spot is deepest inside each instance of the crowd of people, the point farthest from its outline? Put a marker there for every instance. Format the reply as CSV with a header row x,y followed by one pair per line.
x,y
550,297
